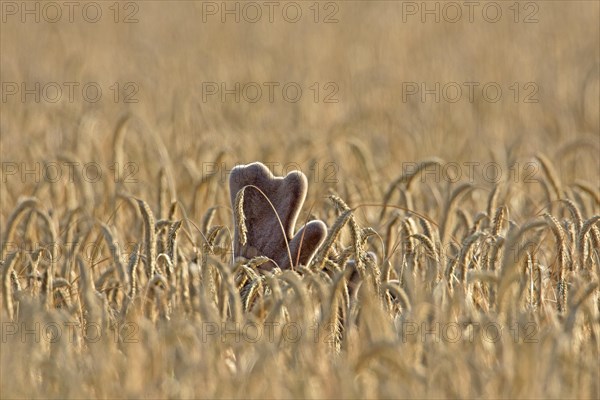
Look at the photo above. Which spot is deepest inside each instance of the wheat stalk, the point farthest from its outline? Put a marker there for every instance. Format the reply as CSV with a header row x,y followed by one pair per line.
x,y
149,237
551,175
240,217
559,235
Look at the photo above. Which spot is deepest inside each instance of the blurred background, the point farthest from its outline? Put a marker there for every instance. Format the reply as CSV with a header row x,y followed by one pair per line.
x,y
382,85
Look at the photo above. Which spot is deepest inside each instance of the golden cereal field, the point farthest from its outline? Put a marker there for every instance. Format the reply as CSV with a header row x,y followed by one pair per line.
x,y
450,149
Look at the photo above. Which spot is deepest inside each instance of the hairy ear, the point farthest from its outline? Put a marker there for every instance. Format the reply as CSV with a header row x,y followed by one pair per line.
x,y
306,242
287,194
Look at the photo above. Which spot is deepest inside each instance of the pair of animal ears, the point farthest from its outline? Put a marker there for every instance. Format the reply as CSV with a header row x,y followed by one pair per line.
x,y
266,209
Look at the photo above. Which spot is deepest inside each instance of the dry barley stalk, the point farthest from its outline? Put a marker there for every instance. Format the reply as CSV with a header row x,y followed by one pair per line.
x,y
398,293
81,182
240,216
494,250
575,213
115,252
156,301
89,294
231,304
6,278
493,199
406,178
13,221
53,258
149,237
132,266
165,266
463,221
117,145
432,255
576,303
582,238
589,189
454,196
500,216
172,241
408,249
559,235
368,169
512,243
531,266
332,235
479,223
163,198
388,236
466,255
551,174
70,238
208,218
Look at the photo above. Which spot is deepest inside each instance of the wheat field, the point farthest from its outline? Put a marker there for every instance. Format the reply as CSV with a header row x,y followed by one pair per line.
x,y
452,153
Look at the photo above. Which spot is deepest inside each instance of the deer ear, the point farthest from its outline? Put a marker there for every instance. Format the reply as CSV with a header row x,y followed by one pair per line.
x,y
256,174
289,198
306,243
